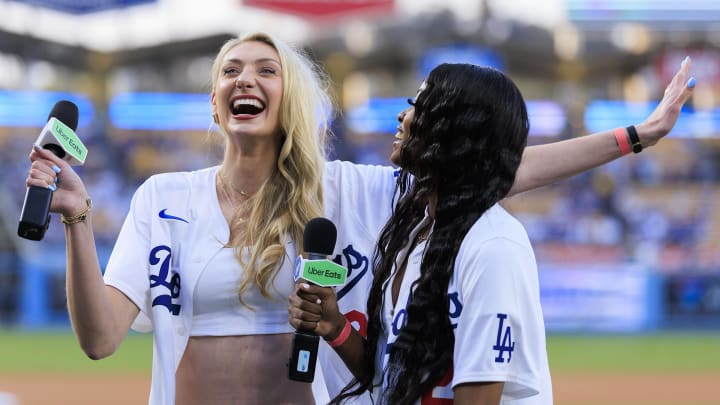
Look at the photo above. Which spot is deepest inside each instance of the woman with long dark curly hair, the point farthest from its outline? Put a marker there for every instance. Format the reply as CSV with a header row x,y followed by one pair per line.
x,y
459,315
449,248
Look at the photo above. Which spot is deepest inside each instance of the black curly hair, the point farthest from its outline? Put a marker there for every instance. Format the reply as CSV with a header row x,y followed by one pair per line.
x,y
465,144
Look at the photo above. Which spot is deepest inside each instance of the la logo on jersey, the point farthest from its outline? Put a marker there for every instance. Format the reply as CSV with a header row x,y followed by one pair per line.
x,y
504,343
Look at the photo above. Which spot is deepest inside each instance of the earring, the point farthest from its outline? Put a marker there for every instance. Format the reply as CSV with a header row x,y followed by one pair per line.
x,y
216,118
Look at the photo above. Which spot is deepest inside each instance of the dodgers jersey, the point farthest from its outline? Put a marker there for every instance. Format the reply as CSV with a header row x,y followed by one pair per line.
x,y
359,200
169,237
494,308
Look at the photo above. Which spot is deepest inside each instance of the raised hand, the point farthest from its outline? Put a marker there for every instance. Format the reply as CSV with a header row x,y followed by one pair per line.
x,y
662,120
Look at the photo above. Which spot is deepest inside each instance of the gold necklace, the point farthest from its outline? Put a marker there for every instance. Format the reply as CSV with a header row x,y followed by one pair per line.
x,y
227,183
223,187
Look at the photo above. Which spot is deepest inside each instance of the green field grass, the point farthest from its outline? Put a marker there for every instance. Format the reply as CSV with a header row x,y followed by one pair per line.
x,y
660,352
56,352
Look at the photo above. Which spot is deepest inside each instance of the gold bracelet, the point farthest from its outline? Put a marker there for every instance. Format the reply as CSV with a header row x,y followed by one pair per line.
x,y
81,217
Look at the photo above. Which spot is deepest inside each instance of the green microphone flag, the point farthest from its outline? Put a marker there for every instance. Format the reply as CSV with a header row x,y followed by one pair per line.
x,y
325,273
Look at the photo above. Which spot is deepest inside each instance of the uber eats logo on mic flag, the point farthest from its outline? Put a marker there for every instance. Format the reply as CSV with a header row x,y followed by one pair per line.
x,y
57,133
324,273
70,142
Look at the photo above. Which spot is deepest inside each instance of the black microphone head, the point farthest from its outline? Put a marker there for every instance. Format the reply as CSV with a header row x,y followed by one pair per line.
x,y
319,236
66,112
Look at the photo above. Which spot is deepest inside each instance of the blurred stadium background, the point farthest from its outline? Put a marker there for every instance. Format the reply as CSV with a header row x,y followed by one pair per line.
x,y
631,249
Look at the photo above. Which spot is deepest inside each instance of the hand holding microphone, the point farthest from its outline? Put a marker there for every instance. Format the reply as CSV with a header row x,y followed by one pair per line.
x,y
55,150
319,242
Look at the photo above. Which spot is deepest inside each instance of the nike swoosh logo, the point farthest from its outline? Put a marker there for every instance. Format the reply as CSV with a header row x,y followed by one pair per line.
x,y
164,214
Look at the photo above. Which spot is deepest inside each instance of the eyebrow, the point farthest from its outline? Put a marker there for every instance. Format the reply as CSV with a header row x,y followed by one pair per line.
x,y
262,60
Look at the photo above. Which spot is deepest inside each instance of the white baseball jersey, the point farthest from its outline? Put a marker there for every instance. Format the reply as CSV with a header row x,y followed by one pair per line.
x,y
494,308
359,200
169,237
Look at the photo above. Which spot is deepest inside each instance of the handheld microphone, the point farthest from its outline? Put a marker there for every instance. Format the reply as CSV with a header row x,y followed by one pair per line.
x,y
319,242
58,136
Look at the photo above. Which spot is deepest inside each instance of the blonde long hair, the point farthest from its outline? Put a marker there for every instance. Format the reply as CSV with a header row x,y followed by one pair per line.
x,y
293,193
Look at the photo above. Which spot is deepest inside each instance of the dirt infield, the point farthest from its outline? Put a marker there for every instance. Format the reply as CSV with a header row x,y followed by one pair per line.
x,y
659,389
78,390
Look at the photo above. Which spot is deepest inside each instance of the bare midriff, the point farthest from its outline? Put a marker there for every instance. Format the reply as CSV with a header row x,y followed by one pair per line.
x,y
239,370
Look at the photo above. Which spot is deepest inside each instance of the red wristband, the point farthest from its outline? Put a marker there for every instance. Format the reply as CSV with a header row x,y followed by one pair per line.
x,y
342,337
622,140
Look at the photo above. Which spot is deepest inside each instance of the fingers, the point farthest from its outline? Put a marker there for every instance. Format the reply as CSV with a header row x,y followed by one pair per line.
x,y
302,325
680,82
300,315
44,169
322,293
309,297
313,308
44,175
681,79
39,152
665,115
684,69
676,94
310,305
688,84
304,315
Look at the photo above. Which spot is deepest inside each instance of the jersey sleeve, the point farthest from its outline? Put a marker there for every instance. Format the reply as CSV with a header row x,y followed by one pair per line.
x,y
495,310
126,269
358,197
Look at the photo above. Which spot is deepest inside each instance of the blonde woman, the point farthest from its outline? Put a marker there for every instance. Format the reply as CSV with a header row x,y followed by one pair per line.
x,y
204,258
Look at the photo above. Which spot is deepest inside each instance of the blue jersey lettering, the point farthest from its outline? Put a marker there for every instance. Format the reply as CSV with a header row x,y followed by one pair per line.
x,y
455,308
357,265
163,279
504,341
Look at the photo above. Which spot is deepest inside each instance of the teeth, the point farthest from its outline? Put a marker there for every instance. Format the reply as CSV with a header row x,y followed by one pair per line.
x,y
247,101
